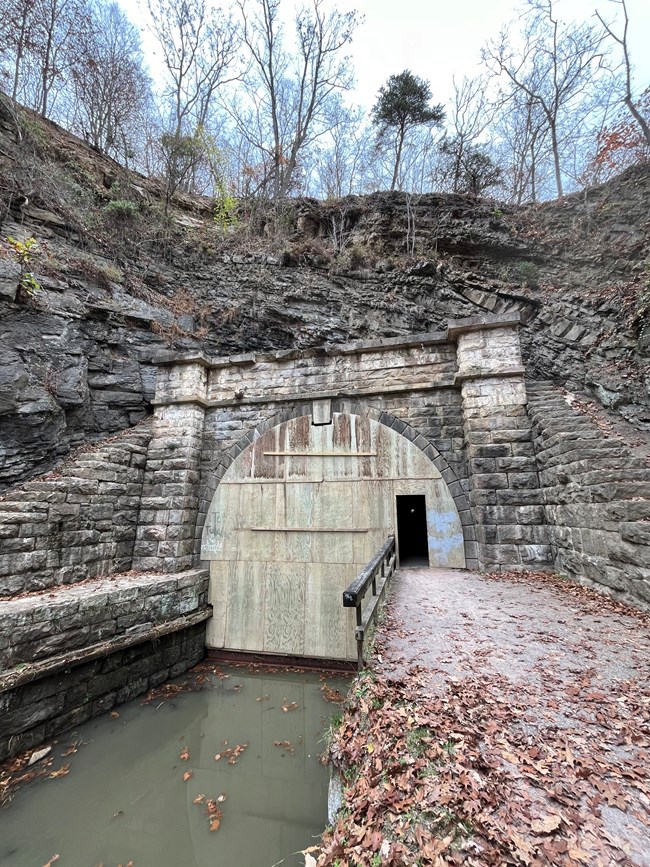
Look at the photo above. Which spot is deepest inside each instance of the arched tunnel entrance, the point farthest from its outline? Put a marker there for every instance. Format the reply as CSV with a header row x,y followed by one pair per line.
x,y
298,514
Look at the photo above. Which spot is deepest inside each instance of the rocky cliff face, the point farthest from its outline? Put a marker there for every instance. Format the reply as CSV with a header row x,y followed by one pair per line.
x,y
75,355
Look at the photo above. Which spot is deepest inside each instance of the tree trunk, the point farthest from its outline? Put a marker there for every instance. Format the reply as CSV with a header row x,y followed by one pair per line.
x,y
398,157
645,129
556,160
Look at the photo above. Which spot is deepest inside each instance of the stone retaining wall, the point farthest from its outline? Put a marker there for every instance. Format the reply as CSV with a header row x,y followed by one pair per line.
x,y
77,523
33,714
71,654
596,498
42,625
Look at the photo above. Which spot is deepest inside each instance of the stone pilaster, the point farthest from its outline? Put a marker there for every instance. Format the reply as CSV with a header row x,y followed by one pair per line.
x,y
170,499
505,495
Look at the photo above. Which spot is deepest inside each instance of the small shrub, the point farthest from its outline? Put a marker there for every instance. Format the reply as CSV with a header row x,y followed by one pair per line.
x,y
23,252
528,274
356,257
121,209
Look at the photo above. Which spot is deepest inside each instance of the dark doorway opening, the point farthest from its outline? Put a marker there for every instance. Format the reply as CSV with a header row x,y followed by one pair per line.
x,y
412,530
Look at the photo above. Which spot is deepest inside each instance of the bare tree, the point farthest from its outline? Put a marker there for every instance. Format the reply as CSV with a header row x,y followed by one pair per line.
x,y
522,138
340,163
199,47
59,24
554,68
288,92
111,89
16,25
470,115
621,39
38,43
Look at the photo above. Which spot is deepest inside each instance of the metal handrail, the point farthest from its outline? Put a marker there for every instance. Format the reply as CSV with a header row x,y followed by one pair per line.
x,y
376,574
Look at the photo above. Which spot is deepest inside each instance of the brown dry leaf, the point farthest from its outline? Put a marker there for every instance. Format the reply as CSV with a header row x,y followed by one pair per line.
x,y
213,807
60,772
52,860
184,754
291,706
214,824
199,799
114,714
188,776
579,854
546,825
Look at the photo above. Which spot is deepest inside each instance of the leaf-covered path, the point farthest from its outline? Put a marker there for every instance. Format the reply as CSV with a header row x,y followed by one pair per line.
x,y
504,719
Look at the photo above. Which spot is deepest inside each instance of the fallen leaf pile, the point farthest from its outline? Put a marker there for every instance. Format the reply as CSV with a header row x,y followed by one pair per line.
x,y
29,766
232,753
486,765
213,811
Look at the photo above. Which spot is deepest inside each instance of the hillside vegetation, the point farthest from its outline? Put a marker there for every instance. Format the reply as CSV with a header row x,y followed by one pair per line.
x,y
96,274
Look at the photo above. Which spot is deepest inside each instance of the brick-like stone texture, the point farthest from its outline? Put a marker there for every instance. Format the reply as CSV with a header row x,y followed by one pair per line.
x,y
170,493
505,496
32,714
43,625
596,498
77,523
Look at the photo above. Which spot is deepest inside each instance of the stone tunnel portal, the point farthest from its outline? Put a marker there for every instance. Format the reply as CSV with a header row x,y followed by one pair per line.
x,y
294,519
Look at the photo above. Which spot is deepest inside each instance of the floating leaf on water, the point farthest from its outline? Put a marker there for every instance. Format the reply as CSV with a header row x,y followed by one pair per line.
x,y
222,797
52,860
60,772
214,824
114,714
188,776
184,754
199,799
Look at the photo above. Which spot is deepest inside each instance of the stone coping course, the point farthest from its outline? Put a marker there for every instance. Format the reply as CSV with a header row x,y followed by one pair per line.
x,y
53,623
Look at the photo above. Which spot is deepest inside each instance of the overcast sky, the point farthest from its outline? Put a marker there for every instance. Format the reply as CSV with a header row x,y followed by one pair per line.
x,y
440,39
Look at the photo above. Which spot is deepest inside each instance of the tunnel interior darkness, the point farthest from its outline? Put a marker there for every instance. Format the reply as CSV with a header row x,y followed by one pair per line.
x,y
412,530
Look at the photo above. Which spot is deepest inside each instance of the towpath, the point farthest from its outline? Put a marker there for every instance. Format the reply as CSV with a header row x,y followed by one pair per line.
x,y
504,719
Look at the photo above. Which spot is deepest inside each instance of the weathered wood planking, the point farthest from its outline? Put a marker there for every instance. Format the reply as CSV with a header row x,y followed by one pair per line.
x,y
325,583
284,620
280,592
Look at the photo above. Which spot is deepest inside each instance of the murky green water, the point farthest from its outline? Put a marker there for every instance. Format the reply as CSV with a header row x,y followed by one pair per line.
x,y
125,799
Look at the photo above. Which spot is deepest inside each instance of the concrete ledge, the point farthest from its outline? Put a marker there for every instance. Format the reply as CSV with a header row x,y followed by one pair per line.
x,y
388,344
74,618
443,382
481,323
52,665
517,370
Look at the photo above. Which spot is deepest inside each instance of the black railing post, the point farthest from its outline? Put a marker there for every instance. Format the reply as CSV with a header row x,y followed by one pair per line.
x,y
355,593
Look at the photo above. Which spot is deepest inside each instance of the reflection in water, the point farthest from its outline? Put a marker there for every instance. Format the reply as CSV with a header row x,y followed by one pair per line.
x,y
125,798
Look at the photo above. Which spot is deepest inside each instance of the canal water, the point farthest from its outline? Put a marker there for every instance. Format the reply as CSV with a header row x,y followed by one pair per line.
x,y
225,775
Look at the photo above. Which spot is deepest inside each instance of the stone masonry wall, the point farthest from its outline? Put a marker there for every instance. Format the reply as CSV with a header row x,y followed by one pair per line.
x,y
42,625
596,495
77,523
381,366
170,493
72,653
33,714
504,491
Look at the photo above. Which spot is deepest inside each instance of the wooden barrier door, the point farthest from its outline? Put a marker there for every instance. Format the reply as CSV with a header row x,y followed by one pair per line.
x,y
297,516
